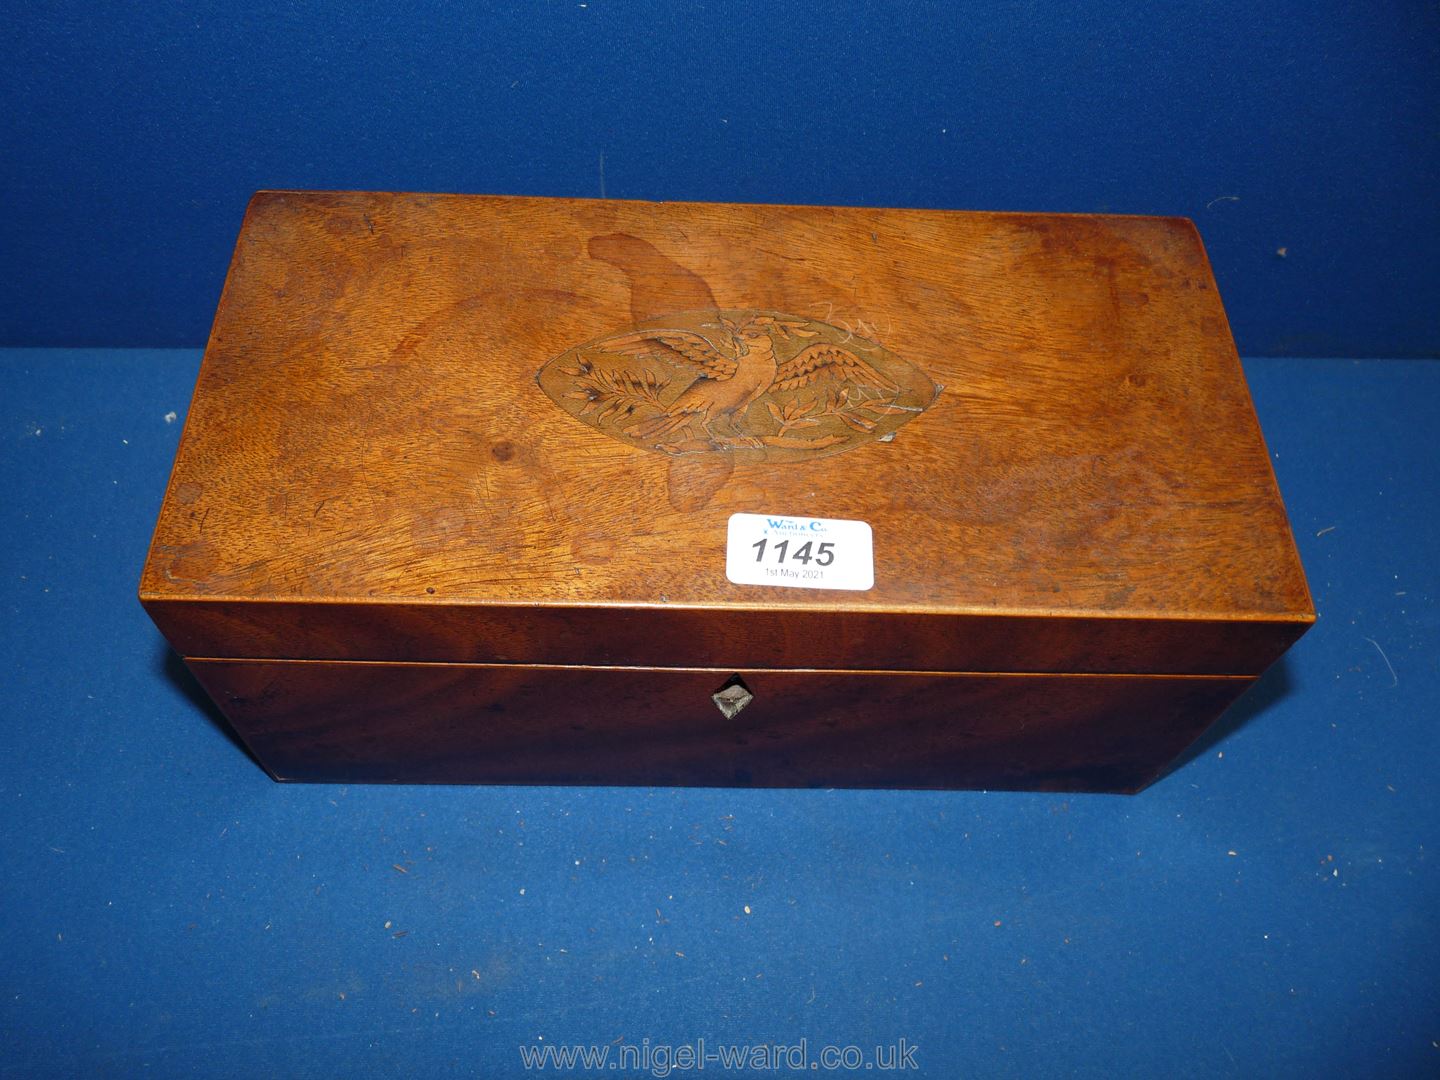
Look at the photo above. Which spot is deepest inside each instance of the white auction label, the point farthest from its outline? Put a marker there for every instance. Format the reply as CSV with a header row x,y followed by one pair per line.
x,y
800,553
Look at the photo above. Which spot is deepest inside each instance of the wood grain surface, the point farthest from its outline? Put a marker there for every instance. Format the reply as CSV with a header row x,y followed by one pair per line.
x,y
369,445
449,723
696,636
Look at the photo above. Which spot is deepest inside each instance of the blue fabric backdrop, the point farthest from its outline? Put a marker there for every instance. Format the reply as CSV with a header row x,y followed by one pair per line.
x,y
1271,908
1300,136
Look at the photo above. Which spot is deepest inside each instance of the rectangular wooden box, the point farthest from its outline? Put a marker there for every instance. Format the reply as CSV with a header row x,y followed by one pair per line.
x,y
452,498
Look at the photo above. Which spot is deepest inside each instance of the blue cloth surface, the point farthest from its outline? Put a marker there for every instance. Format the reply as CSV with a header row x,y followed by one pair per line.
x,y
1272,907
1299,134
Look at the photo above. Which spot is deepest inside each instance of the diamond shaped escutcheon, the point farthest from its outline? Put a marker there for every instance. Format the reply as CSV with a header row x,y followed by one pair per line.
x,y
732,697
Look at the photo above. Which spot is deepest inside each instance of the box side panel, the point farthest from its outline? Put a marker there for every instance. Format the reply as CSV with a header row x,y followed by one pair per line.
x,y
677,636
436,723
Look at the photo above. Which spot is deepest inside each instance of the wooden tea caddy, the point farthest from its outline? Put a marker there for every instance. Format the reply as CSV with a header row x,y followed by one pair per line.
x,y
455,493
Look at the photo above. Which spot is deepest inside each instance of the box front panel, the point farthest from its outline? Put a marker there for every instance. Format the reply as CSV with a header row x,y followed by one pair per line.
x,y
668,635
509,724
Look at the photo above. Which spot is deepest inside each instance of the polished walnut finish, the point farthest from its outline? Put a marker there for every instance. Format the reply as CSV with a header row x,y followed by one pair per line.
x,y
477,446
658,726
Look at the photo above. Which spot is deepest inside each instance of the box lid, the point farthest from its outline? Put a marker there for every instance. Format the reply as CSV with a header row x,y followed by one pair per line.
x,y
484,429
